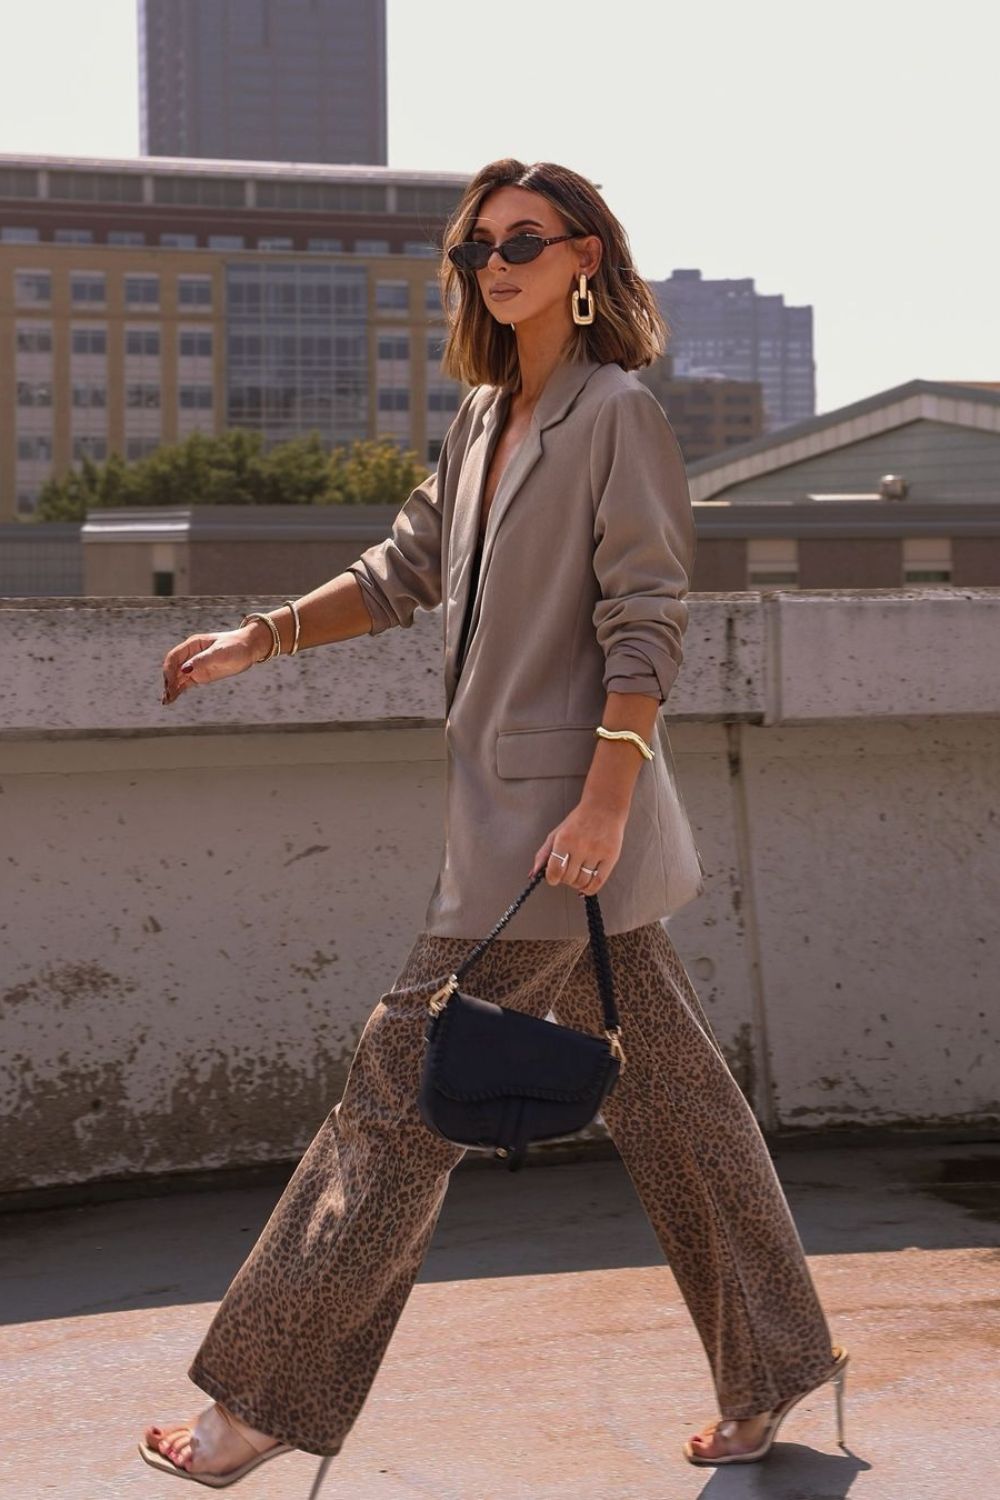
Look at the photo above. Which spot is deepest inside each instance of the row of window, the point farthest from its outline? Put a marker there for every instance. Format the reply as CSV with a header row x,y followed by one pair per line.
x,y
192,343
38,393
86,288
142,290
24,235
38,449
231,192
773,562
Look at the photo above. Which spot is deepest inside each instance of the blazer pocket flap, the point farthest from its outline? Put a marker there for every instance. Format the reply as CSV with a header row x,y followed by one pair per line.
x,y
562,750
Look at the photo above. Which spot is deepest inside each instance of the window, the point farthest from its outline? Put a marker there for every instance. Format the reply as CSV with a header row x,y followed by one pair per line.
x,y
126,237
338,197
94,187
195,397
32,287
142,291
194,291
143,395
443,400
34,393
34,448
392,296
163,585
394,346
772,562
927,559
140,447
195,343
212,192
90,446
18,235
432,296
89,341
420,247
34,338
275,242
88,396
142,341
371,247
179,241
321,244
225,242
394,400
74,236
86,287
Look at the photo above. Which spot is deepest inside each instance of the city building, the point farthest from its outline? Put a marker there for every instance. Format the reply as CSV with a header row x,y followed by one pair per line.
x,y
145,299
263,80
726,328
709,414
901,488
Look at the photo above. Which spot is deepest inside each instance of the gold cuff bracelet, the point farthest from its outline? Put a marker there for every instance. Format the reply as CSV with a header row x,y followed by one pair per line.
x,y
626,734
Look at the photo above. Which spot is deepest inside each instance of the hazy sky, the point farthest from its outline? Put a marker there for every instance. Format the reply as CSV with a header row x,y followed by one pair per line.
x,y
841,154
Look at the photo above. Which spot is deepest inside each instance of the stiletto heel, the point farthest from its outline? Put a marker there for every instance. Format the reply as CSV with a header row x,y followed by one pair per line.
x,y
775,1417
320,1476
839,1381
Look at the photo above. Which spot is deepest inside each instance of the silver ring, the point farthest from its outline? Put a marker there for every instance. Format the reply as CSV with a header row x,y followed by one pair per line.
x,y
562,857
585,871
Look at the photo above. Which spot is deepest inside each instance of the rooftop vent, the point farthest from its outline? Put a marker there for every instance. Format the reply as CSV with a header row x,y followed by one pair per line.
x,y
893,487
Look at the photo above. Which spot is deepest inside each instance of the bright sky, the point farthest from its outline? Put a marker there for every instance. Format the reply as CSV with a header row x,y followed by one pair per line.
x,y
841,154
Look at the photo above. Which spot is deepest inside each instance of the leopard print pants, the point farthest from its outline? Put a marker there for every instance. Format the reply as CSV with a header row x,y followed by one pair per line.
x,y
298,1338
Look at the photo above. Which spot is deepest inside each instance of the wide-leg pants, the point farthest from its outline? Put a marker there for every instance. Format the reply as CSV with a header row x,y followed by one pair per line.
x,y
299,1336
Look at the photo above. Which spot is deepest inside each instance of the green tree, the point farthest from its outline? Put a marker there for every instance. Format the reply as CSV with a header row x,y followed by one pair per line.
x,y
232,468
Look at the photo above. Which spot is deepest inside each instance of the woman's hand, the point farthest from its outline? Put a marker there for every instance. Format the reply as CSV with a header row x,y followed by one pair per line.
x,y
208,658
592,836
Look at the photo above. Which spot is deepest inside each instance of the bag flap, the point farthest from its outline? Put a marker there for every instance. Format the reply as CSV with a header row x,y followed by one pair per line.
x,y
482,1051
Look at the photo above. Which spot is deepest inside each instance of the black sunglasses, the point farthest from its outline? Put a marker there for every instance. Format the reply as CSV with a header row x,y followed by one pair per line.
x,y
473,255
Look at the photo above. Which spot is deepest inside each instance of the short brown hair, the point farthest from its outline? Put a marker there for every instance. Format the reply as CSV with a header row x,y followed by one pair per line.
x,y
629,328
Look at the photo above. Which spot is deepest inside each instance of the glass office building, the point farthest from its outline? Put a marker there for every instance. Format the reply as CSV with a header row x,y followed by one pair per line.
x,y
297,338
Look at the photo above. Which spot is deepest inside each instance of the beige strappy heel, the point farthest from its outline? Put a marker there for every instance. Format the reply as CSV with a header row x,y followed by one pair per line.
x,y
158,1460
837,1375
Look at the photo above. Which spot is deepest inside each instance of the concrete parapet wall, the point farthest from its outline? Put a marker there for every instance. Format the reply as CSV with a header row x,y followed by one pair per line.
x,y
201,905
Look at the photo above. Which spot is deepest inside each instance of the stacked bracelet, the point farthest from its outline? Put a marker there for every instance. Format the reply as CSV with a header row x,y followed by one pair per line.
x,y
275,637
625,734
298,626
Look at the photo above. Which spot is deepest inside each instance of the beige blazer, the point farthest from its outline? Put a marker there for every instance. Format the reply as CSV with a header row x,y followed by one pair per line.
x,y
588,551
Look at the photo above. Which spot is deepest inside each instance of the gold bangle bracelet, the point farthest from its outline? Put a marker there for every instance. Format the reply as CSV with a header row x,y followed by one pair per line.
x,y
275,637
625,734
298,626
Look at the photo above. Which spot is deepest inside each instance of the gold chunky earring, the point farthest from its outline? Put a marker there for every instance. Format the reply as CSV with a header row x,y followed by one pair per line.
x,y
577,297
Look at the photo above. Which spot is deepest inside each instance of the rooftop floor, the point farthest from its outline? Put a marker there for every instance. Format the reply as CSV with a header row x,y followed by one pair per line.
x,y
545,1352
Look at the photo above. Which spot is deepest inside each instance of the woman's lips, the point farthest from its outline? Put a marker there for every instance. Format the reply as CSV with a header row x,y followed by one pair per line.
x,y
503,292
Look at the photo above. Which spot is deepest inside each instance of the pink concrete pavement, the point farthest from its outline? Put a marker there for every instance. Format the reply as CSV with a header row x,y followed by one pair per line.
x,y
544,1354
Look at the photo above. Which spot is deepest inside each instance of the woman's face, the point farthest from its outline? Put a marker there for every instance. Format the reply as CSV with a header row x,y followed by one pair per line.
x,y
515,294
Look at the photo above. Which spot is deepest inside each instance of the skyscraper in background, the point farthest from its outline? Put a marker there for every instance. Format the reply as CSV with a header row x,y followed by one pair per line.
x,y
726,328
263,80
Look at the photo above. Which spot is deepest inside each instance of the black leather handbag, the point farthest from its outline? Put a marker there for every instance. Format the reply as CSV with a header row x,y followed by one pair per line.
x,y
497,1078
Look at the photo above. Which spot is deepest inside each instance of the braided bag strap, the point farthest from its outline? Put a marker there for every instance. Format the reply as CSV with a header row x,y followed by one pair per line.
x,y
598,948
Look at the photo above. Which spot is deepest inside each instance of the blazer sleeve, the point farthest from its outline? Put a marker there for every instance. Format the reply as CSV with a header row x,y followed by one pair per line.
x,y
404,572
644,543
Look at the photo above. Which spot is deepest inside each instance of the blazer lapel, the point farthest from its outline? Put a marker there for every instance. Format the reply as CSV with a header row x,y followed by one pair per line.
x,y
558,395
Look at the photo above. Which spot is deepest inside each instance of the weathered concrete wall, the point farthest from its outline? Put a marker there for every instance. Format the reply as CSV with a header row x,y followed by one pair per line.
x,y
199,906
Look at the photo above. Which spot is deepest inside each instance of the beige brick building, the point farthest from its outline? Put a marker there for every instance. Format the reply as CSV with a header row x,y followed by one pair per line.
x,y
142,300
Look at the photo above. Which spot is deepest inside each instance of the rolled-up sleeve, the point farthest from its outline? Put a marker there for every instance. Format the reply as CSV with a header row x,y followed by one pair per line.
x,y
644,544
404,572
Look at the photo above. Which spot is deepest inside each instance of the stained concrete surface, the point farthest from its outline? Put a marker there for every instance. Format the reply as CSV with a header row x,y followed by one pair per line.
x,y
545,1352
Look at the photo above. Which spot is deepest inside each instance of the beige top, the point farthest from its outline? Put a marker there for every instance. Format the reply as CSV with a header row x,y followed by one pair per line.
x,y
586,558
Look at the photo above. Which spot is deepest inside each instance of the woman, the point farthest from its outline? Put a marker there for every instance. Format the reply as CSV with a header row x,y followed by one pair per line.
x,y
557,534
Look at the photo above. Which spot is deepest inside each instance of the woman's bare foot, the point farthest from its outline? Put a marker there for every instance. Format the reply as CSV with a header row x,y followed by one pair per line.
x,y
214,1442
723,1438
